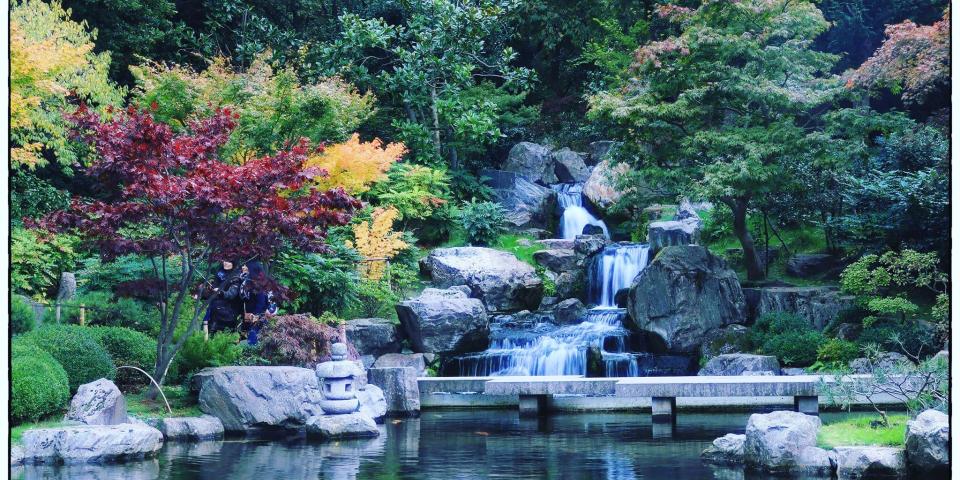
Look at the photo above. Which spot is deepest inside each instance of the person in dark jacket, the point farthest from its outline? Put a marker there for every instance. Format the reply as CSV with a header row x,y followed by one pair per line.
x,y
225,306
255,299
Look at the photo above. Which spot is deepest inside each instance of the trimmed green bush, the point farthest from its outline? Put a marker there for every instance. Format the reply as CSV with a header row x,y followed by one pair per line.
x,y
788,337
483,222
131,348
837,351
38,383
21,316
75,347
220,350
103,309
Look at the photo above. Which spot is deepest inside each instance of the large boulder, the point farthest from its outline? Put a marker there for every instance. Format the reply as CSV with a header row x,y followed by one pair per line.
x,y
253,399
806,265
817,305
600,188
498,279
91,443
372,402
374,336
525,204
532,161
206,427
775,441
570,166
928,442
440,321
557,260
870,462
685,292
726,450
741,364
816,462
351,425
98,403
400,390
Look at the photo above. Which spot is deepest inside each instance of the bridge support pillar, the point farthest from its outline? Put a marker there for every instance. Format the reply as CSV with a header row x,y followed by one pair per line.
x,y
533,405
807,404
663,408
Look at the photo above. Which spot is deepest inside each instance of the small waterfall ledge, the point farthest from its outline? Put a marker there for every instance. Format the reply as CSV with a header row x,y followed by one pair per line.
x,y
575,217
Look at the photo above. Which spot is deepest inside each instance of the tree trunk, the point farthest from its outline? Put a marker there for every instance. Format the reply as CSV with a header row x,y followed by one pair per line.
x,y
436,120
750,257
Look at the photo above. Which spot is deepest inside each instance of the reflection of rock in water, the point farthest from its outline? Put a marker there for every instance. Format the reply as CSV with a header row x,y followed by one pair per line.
x,y
138,470
191,449
727,473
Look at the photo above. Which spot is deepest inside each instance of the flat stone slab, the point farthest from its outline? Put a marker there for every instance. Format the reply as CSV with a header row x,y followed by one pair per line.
x,y
720,386
550,385
206,427
91,443
430,385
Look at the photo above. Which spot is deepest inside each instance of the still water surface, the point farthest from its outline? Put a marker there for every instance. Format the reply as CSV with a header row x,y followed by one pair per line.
x,y
454,444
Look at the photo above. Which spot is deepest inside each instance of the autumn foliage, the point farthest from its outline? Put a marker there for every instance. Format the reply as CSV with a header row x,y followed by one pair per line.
x,y
301,340
355,165
376,239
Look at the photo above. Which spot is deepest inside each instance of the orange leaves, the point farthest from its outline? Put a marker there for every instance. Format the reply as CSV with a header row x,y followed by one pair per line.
x,y
376,240
355,165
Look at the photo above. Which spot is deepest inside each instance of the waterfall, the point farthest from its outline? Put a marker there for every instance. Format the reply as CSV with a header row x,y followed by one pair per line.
x,y
553,351
615,269
575,217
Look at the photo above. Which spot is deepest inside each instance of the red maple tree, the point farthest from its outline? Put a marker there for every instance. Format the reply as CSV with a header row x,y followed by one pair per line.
x,y
171,198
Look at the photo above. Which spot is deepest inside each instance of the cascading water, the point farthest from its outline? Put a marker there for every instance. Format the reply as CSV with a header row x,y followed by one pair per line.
x,y
575,217
614,270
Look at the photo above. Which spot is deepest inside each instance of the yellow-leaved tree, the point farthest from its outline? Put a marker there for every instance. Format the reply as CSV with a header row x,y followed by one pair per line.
x,y
376,240
355,165
51,62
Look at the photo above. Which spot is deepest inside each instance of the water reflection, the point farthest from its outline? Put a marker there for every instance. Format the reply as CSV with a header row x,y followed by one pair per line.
x,y
453,445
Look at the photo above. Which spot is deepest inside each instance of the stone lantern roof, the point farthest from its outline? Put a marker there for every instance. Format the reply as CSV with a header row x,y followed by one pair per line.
x,y
338,366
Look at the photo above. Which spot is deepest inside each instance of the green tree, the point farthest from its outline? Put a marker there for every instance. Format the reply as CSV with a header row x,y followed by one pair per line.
x,y
426,66
722,107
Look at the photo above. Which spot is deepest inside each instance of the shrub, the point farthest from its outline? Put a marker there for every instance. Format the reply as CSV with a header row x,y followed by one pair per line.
x,y
38,383
837,351
301,340
896,335
75,347
374,299
483,222
21,316
222,349
38,258
788,337
103,309
130,348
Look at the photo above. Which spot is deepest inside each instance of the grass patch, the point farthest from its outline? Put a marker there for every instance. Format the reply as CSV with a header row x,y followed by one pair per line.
x,y
523,246
181,402
861,431
16,433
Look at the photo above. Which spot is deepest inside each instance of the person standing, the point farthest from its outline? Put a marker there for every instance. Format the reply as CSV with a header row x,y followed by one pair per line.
x,y
255,300
224,307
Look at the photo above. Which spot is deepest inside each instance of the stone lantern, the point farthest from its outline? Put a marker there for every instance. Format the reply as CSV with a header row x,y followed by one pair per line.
x,y
338,382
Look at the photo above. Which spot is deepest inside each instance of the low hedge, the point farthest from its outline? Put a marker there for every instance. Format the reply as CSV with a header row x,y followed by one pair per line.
x,y
76,348
38,383
128,348
21,316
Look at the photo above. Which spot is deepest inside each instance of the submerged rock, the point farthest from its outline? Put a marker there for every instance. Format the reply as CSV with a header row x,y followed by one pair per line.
x,y
685,292
870,462
440,321
775,441
91,443
98,403
928,442
498,279
741,364
726,450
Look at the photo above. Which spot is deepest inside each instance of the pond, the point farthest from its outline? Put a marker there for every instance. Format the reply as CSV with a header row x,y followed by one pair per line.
x,y
455,444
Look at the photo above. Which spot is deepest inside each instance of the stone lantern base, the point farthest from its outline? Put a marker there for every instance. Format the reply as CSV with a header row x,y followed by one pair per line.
x,y
353,425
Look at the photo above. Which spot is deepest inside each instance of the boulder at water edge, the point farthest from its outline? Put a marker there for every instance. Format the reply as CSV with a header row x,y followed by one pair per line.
x,y
443,321
351,425
400,390
741,364
91,443
374,336
774,441
206,427
526,205
98,403
928,442
726,450
685,292
372,402
569,166
498,279
870,462
251,399
569,311
532,161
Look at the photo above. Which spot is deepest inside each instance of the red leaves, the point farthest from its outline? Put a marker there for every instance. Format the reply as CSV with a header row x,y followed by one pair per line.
x,y
176,193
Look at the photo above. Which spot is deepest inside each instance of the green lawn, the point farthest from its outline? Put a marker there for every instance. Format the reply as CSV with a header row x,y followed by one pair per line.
x,y
860,431
181,402
523,246
16,433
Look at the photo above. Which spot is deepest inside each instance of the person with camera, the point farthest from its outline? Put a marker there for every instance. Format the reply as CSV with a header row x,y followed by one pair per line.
x,y
255,300
225,306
